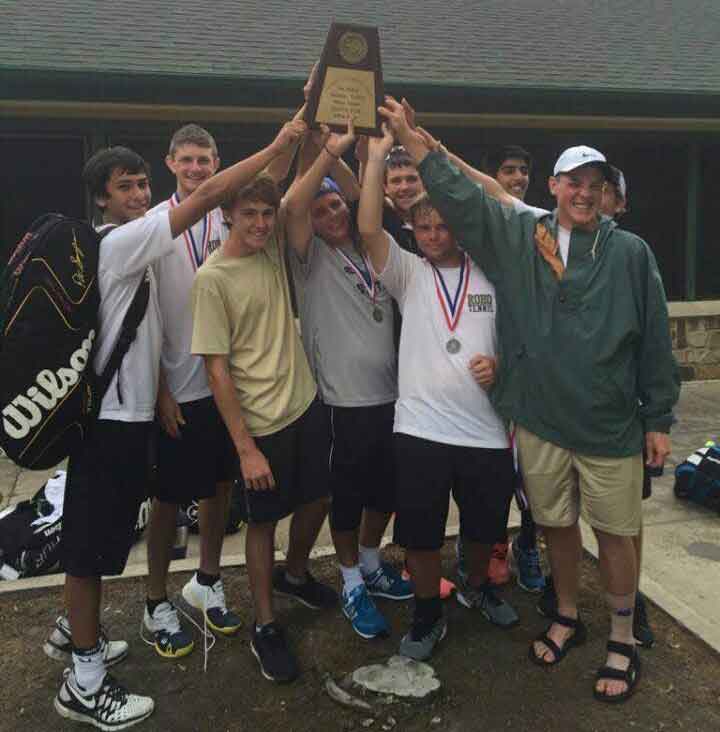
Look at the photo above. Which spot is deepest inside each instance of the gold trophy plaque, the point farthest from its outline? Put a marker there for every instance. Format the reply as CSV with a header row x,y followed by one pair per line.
x,y
348,81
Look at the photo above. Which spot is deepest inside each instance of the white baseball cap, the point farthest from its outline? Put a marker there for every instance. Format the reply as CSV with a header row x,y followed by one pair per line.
x,y
575,157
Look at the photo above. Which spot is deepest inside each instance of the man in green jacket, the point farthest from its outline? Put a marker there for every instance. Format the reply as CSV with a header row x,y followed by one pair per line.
x,y
586,369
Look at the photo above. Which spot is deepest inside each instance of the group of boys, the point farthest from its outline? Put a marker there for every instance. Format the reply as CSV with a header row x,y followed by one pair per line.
x,y
338,419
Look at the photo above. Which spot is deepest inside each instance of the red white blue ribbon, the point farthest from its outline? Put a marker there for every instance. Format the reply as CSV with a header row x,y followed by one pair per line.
x,y
197,257
452,307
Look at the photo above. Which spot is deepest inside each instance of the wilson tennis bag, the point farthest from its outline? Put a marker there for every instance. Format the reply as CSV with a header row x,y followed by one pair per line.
x,y
49,304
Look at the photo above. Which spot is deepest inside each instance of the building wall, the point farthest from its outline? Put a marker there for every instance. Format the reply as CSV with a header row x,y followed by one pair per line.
x,y
695,332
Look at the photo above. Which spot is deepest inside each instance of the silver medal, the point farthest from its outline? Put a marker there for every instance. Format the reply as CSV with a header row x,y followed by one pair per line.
x,y
453,346
378,315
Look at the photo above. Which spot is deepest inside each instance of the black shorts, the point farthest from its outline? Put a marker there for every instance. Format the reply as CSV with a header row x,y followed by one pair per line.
x,y
481,481
190,468
298,456
106,483
362,463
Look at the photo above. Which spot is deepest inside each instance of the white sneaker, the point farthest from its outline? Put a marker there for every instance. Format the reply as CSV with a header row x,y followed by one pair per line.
x,y
211,602
171,641
111,707
59,645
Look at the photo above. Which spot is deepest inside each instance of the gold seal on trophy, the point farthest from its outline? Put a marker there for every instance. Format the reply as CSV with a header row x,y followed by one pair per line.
x,y
353,47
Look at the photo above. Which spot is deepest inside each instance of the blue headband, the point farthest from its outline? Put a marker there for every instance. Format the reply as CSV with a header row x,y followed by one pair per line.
x,y
328,186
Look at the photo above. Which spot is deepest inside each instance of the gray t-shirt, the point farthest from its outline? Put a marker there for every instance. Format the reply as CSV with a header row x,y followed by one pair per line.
x,y
351,352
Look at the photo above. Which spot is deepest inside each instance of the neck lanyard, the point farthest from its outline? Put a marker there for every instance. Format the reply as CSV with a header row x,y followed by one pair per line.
x,y
367,284
452,307
364,273
197,256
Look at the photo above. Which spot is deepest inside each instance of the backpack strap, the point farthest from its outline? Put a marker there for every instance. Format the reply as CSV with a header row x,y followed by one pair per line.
x,y
133,317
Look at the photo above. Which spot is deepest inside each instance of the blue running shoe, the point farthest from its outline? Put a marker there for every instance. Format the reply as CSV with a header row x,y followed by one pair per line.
x,y
387,582
360,610
526,564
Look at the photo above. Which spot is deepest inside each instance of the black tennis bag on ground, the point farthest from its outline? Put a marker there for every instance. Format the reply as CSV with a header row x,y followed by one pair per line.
x,y
49,304
697,478
30,531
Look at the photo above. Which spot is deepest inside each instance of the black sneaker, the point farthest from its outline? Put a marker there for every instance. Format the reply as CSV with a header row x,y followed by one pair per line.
x,y
110,707
548,603
311,593
641,627
276,661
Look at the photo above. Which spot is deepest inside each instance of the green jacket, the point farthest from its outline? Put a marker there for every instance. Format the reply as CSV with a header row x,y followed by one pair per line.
x,y
585,361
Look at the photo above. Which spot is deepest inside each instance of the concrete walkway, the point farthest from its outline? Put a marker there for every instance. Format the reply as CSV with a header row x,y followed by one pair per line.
x,y
681,567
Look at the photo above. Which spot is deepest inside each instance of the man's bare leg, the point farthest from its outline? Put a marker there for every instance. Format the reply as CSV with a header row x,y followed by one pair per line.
x,y
372,527
212,519
260,554
565,553
83,596
425,570
618,571
304,529
160,539
638,546
478,556
346,547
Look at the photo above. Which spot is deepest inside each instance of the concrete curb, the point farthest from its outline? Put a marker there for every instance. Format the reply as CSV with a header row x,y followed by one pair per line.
x,y
699,626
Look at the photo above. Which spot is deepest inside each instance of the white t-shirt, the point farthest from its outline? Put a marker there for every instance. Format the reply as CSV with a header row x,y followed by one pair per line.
x,y
125,255
563,241
521,206
439,400
184,373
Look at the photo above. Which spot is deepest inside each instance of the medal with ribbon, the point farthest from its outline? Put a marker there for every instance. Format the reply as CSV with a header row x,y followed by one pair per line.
x,y
367,284
452,307
197,256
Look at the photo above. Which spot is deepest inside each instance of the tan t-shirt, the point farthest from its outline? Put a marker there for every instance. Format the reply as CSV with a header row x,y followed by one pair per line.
x,y
241,308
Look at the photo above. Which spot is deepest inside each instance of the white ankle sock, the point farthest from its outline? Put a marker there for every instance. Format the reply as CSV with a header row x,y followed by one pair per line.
x,y
369,559
89,667
352,578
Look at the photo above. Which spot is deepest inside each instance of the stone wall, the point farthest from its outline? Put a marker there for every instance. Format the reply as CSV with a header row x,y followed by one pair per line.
x,y
695,332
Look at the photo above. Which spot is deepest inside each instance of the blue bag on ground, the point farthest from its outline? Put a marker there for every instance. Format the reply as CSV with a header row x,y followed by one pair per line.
x,y
697,479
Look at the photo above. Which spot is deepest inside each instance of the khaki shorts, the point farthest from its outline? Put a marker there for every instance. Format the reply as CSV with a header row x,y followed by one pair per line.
x,y
562,484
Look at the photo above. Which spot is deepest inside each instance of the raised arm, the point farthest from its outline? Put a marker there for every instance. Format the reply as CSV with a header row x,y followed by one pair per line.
x,y
340,171
491,186
302,192
279,168
212,191
374,238
494,235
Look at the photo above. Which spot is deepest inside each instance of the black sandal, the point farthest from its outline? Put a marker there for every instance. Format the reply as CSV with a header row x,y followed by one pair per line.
x,y
631,675
576,639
